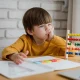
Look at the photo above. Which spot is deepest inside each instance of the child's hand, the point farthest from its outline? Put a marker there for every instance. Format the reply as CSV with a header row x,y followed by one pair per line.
x,y
18,58
50,35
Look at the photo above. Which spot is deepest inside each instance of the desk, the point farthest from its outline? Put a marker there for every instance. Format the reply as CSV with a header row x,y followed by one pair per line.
x,y
47,76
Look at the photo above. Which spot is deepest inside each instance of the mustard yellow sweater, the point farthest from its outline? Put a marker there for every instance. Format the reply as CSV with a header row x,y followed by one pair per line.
x,y
55,47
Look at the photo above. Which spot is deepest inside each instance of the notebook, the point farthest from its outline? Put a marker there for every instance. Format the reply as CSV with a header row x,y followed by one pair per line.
x,y
32,66
72,74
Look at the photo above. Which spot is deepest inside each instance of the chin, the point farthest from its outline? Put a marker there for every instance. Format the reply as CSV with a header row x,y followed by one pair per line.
x,y
43,39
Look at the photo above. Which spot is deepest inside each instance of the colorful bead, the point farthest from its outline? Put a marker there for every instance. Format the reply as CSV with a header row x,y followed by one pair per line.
x,y
76,53
66,52
69,52
69,43
78,44
72,48
69,34
75,44
73,34
68,48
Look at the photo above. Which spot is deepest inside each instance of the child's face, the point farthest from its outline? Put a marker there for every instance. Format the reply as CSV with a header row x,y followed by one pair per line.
x,y
43,32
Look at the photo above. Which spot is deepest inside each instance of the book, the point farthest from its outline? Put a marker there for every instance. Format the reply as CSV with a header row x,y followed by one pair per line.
x,y
32,66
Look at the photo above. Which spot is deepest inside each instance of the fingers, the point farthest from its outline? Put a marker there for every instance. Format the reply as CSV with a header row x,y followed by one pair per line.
x,y
24,55
50,35
19,58
18,61
27,52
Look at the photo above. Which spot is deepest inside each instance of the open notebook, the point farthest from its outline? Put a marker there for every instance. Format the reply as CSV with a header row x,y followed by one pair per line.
x,y
32,66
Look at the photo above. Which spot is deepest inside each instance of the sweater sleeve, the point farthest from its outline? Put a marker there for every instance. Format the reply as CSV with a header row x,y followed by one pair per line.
x,y
14,48
60,42
60,45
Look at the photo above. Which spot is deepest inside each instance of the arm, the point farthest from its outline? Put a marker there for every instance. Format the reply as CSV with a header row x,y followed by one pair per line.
x,y
61,45
63,49
14,48
18,58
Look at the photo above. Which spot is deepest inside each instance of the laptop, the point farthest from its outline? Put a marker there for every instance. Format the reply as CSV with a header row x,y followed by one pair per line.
x,y
72,74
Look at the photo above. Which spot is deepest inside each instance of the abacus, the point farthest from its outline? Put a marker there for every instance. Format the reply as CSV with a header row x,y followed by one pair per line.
x,y
72,38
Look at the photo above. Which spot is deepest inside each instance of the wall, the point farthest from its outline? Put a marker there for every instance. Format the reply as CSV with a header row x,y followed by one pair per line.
x,y
12,11
76,17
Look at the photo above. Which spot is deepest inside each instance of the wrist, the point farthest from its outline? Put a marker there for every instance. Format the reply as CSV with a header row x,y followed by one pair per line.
x,y
9,56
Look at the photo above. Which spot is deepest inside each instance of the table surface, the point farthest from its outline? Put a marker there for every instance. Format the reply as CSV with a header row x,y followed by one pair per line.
x,y
49,75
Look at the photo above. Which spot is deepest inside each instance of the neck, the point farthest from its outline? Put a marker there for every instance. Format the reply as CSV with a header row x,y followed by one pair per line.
x,y
38,41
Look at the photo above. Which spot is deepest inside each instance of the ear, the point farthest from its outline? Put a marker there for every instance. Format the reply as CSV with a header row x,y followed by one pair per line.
x,y
30,32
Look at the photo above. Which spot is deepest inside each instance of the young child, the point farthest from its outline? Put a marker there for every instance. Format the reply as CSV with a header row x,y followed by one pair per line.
x,y
39,39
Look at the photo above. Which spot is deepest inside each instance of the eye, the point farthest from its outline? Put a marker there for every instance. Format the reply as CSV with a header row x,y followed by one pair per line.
x,y
41,26
49,24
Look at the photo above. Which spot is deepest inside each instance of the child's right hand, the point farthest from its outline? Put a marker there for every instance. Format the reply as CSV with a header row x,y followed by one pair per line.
x,y
18,58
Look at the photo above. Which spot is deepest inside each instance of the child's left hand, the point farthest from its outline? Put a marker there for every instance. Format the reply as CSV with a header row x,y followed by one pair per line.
x,y
50,35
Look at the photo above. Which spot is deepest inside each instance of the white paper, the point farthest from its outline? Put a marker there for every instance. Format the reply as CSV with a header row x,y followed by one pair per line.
x,y
40,58
61,64
13,70
29,67
3,66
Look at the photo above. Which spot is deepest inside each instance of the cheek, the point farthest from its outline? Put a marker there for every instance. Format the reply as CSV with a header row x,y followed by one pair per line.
x,y
41,30
40,33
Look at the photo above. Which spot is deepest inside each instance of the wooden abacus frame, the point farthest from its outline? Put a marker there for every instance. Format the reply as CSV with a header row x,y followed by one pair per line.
x,y
68,39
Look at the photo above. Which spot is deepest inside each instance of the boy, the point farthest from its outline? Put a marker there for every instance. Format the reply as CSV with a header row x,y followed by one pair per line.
x,y
39,40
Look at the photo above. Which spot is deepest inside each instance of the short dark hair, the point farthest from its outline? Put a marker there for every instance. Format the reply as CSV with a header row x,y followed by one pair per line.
x,y
35,16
